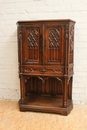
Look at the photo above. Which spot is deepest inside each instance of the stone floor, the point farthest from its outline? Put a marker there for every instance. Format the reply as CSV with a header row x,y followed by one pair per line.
x,y
12,119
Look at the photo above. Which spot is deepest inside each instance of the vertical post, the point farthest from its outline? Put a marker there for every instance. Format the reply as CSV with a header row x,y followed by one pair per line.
x,y
70,88
65,92
65,87
43,45
22,80
22,88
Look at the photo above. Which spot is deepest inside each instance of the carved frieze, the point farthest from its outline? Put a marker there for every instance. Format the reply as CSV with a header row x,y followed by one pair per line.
x,y
29,70
43,70
60,71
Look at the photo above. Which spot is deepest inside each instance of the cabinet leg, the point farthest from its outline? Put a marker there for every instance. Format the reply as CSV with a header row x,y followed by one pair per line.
x,y
22,88
70,88
65,93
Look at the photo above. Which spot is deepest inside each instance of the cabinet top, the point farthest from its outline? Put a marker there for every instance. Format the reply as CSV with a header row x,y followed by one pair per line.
x,y
49,20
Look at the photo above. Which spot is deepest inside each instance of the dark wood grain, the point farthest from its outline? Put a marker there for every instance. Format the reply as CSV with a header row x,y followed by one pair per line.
x,y
45,51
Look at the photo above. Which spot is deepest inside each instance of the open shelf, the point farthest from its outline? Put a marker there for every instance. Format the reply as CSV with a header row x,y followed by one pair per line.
x,y
49,104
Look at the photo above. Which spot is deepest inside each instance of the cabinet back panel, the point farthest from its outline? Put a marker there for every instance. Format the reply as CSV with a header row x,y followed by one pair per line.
x,y
48,86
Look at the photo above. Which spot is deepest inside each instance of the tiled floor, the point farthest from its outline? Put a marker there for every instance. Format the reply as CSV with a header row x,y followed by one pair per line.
x,y
12,119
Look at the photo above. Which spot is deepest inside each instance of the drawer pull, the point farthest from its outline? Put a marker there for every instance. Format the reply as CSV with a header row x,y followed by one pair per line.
x,y
43,70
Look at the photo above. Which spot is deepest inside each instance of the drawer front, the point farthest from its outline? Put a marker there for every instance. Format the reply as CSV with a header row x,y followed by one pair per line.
x,y
31,70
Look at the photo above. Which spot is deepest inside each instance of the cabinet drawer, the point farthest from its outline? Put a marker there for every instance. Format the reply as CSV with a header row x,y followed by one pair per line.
x,y
31,70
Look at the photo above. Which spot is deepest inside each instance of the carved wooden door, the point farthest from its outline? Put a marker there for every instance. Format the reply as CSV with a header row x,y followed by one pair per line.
x,y
54,44
32,43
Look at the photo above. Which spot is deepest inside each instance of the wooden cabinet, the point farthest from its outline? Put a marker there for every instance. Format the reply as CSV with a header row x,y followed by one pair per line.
x,y
45,50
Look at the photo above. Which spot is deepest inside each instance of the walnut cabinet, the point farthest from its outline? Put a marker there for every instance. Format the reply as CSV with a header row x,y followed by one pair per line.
x,y
45,53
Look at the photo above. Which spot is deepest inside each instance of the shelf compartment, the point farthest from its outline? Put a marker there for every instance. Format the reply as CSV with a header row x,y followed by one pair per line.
x,y
50,104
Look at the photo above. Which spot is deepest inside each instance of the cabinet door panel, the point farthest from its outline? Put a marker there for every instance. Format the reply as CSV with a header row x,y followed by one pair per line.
x,y
32,42
54,44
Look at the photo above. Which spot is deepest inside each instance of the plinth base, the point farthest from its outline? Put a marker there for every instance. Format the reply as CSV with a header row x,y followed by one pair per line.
x,y
47,104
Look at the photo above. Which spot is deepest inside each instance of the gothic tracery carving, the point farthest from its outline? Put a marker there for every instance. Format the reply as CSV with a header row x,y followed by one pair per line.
x,y
54,38
33,39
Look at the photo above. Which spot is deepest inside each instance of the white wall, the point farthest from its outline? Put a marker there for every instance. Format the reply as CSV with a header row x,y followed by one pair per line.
x,y
13,10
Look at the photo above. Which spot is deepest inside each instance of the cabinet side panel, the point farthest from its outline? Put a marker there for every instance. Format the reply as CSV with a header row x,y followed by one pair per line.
x,y
71,42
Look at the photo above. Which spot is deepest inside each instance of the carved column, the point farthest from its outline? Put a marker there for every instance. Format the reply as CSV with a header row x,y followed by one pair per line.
x,y
65,87
65,92
22,88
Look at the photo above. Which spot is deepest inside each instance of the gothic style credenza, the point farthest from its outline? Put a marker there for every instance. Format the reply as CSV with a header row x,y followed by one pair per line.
x,y
45,51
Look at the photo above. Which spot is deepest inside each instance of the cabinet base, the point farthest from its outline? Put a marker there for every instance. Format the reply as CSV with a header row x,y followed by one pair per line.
x,y
47,104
